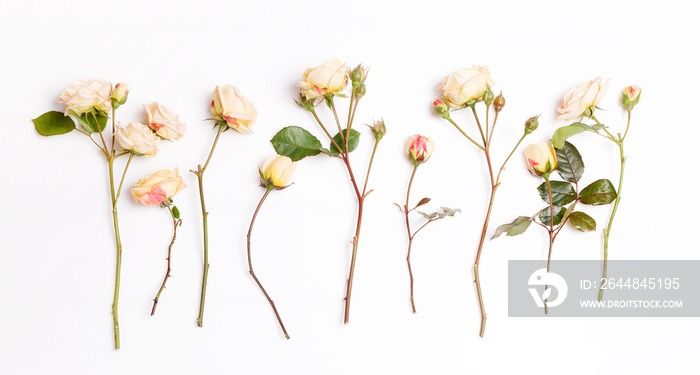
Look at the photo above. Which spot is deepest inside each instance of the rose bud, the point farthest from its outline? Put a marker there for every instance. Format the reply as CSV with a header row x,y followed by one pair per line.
x,y
630,97
235,109
360,91
488,96
276,172
158,188
466,85
442,108
583,99
329,78
499,102
358,75
419,148
84,96
138,139
305,103
119,94
378,129
541,158
531,124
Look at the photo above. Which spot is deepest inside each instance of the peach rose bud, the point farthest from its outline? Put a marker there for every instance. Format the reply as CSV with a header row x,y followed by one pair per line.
x,y
120,93
441,108
630,97
276,172
419,148
541,158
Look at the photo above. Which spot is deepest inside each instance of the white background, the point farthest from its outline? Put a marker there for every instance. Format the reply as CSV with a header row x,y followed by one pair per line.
x,y
56,239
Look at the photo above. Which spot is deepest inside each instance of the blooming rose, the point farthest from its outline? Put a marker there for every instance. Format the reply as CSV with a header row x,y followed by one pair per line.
x,y
138,139
466,84
157,188
541,158
164,122
630,97
329,78
277,171
578,100
229,105
81,96
419,148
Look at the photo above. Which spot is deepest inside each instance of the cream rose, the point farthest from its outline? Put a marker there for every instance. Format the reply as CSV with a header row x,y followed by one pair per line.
x,y
329,78
466,84
541,158
419,148
157,188
578,100
83,96
138,139
229,105
164,122
277,171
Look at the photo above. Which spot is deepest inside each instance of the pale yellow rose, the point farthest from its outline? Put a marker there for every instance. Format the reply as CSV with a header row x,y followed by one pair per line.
x,y
157,188
164,122
541,158
578,100
466,84
120,93
329,78
82,96
229,105
138,139
277,171
419,148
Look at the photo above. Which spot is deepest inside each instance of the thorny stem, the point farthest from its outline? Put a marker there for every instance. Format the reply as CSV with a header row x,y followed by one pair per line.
x,y
410,235
606,231
176,222
200,175
250,262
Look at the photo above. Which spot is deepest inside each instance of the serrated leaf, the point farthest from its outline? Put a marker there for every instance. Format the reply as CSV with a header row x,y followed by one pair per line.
x,y
446,211
545,215
582,221
570,164
514,228
562,192
176,212
53,123
94,122
422,202
353,141
598,193
296,143
328,152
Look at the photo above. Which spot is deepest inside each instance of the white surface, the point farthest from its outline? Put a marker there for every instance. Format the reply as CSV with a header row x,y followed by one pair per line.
x,y
56,241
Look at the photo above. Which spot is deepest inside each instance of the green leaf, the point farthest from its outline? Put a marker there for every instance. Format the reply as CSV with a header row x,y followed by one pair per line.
x,y
53,123
95,122
353,141
598,193
422,202
545,215
562,192
428,216
582,221
514,228
446,211
295,143
560,135
570,164
176,212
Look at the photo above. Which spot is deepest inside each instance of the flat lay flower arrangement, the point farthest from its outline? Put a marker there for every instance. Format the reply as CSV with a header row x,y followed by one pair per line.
x,y
331,93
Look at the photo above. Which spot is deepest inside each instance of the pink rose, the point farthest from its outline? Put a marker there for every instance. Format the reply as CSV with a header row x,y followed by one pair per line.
x,y
157,188
419,148
164,122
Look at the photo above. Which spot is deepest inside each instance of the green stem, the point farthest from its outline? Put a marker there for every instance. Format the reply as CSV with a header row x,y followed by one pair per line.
x,y
318,120
170,248
464,134
337,122
369,167
205,272
250,262
478,123
551,233
606,231
410,235
355,239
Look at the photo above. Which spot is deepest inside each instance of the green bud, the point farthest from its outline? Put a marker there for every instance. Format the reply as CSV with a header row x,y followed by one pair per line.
x,y
442,108
360,91
488,96
630,97
499,102
531,124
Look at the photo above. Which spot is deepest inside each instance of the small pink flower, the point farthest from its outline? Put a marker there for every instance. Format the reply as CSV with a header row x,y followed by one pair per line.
x,y
419,148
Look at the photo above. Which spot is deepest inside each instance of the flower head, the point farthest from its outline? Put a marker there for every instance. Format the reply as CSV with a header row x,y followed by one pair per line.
x,y
419,148
541,158
85,96
164,122
466,85
119,94
235,109
582,98
630,97
277,171
158,188
138,139
329,78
